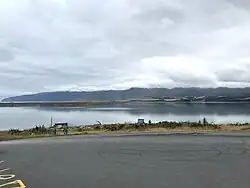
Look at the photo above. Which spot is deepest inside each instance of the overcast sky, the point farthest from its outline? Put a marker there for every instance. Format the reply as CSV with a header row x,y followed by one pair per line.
x,y
49,45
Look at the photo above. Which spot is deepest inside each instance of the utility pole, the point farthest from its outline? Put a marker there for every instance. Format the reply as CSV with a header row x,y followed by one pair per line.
x,y
51,122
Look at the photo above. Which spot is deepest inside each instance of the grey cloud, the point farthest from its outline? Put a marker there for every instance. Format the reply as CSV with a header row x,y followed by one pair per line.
x,y
191,80
245,4
159,14
5,55
93,44
234,75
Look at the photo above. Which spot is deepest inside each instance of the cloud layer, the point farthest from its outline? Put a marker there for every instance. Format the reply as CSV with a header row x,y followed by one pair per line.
x,y
54,45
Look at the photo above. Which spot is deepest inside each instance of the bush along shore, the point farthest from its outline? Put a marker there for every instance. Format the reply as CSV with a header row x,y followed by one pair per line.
x,y
164,126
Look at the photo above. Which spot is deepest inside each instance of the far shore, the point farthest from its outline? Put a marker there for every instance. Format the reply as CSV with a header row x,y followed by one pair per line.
x,y
108,102
159,127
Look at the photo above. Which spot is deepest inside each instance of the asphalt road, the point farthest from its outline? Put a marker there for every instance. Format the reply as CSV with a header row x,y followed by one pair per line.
x,y
169,161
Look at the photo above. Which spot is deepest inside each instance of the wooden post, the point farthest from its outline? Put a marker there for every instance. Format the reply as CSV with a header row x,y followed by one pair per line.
x,y
51,122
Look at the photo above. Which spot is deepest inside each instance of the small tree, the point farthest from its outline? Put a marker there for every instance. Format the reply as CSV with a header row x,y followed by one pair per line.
x,y
204,121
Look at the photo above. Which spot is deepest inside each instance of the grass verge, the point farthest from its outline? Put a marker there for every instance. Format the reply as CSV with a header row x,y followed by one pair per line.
x,y
160,127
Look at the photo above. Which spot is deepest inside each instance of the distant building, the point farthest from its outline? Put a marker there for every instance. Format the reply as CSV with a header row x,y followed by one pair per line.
x,y
60,125
141,122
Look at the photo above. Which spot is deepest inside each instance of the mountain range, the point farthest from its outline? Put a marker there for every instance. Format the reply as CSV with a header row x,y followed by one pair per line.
x,y
133,93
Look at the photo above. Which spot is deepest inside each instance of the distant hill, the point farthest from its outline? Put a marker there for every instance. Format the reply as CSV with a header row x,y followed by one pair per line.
x,y
132,93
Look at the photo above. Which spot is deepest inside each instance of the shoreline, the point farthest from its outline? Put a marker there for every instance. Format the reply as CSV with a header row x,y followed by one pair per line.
x,y
103,103
126,128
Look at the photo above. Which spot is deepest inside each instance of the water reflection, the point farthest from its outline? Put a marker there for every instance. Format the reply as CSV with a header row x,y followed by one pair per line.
x,y
217,113
175,109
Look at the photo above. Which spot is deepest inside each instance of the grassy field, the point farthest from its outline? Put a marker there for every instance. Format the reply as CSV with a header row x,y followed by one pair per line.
x,y
159,127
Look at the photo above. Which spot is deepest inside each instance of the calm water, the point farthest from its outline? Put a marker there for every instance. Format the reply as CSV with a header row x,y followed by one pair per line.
x,y
217,113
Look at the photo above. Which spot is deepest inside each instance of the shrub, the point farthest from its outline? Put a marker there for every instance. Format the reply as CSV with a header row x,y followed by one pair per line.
x,y
79,129
14,131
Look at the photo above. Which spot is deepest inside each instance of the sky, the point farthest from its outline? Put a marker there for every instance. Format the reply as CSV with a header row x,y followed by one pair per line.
x,y
57,45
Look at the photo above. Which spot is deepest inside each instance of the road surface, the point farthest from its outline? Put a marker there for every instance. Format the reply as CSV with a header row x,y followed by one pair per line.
x,y
163,161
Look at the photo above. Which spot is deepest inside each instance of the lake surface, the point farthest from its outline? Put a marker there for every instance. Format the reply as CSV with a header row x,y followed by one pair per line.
x,y
20,117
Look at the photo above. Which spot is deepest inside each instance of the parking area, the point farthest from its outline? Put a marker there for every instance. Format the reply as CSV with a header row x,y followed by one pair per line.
x,y
8,178
188,161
